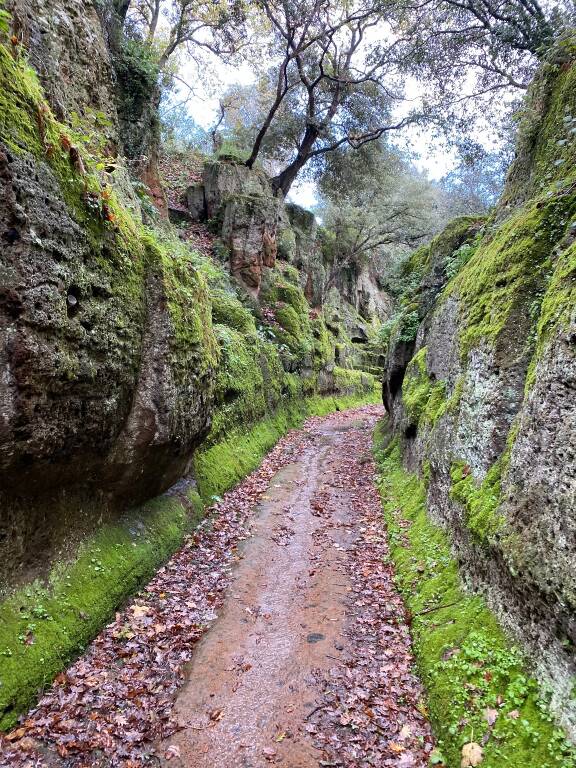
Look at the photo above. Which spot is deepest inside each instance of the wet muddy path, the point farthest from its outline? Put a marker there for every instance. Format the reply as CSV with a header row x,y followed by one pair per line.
x,y
298,654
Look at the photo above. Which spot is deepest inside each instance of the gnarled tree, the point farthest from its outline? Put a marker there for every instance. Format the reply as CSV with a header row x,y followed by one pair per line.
x,y
338,73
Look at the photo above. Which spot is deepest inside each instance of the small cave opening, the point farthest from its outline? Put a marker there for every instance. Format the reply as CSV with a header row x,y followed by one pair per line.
x,y
410,431
396,379
73,296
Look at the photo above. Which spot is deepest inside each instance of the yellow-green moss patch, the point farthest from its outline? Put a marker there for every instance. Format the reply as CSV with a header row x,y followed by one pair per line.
x,y
508,272
424,399
480,500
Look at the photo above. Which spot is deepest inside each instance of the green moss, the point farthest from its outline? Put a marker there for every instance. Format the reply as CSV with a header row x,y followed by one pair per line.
x,y
27,126
324,346
423,399
290,321
463,656
507,272
188,305
406,282
480,500
350,381
447,252
291,274
555,147
453,400
281,290
228,310
292,313
286,241
557,308
240,396
59,619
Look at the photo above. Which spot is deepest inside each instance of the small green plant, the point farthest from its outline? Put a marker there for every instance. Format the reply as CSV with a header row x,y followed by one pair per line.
x,y
409,324
459,258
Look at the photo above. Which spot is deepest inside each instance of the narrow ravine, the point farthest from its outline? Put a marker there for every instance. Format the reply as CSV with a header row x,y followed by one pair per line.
x,y
275,636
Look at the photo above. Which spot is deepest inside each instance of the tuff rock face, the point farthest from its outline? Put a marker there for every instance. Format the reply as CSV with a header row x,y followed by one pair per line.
x,y
258,227
246,215
101,404
69,52
482,395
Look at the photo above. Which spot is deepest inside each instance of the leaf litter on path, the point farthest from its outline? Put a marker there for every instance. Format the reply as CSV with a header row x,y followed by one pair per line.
x,y
115,703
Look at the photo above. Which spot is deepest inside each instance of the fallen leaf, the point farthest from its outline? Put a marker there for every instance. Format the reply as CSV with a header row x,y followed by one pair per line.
x,y
490,715
172,751
472,755
15,735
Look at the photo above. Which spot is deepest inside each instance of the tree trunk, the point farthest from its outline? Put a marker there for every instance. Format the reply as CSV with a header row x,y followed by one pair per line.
x,y
280,94
121,8
286,178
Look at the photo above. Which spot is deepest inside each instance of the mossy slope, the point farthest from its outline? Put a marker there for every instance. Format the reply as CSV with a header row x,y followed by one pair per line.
x,y
471,672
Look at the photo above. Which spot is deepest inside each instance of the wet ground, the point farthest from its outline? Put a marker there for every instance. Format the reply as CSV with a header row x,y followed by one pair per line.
x,y
251,681
308,660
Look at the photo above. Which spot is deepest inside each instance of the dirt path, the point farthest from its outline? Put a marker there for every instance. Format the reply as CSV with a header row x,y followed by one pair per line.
x,y
308,663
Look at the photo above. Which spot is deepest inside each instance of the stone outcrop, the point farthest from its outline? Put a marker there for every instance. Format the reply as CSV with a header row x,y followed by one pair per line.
x,y
257,228
240,205
480,386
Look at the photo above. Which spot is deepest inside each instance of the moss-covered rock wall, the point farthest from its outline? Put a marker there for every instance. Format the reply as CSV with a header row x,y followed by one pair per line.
x,y
480,386
107,349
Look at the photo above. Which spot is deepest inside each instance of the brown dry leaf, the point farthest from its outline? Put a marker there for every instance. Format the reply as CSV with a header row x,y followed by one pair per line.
x,y
15,735
172,751
396,747
216,715
490,715
472,755
140,610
